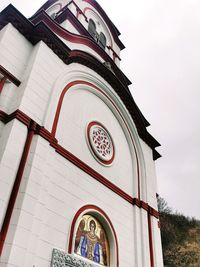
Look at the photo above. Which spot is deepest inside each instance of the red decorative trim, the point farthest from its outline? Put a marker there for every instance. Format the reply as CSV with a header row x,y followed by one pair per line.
x,y
144,205
22,117
19,115
87,169
41,131
153,212
16,185
35,128
150,240
56,118
9,76
2,82
90,208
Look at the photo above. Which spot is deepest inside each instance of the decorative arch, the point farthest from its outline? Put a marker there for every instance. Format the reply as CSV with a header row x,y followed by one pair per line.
x,y
70,86
105,221
112,100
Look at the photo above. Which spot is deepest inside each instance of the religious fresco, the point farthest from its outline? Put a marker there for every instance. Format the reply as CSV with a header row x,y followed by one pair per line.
x,y
91,241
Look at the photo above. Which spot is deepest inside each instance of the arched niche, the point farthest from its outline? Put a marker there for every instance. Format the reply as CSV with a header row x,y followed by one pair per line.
x,y
93,238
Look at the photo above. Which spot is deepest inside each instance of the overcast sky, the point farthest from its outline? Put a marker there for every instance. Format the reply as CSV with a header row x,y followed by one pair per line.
x,y
162,59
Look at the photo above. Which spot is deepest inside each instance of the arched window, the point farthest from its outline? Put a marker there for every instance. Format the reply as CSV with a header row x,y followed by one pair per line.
x,y
92,28
102,40
91,241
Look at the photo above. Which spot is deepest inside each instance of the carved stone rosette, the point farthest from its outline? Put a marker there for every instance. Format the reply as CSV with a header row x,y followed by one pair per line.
x,y
100,143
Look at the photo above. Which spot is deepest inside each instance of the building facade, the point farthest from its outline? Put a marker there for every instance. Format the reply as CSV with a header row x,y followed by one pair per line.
x,y
77,164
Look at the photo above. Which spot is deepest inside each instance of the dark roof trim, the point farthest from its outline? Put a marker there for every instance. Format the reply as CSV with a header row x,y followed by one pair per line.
x,y
115,32
75,38
40,31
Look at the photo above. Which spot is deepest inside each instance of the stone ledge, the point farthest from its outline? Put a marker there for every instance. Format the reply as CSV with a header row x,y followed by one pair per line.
x,y
63,259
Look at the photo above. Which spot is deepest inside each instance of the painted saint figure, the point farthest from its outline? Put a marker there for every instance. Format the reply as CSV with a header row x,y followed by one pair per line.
x,y
89,245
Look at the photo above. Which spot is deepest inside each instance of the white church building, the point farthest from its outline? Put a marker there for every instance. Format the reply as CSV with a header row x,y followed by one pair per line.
x,y
77,164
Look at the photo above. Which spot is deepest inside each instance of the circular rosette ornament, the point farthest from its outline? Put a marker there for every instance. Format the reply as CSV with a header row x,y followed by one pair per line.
x,y
100,143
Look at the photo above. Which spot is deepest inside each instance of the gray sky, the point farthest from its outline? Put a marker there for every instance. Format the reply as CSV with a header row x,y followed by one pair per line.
x,y
162,59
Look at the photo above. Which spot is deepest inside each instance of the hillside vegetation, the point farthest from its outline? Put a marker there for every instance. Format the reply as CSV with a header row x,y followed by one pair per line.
x,y
180,238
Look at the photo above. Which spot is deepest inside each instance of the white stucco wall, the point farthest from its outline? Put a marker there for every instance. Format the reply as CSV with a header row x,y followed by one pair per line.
x,y
12,139
53,189
14,51
151,182
157,246
79,108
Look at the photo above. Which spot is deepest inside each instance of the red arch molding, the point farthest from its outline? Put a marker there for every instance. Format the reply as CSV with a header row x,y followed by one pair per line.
x,y
56,118
98,210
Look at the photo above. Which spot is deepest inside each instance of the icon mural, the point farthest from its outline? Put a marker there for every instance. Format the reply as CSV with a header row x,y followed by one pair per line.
x,y
91,241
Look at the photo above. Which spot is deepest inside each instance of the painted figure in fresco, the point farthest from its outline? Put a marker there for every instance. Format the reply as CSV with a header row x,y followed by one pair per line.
x,y
89,245
79,236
